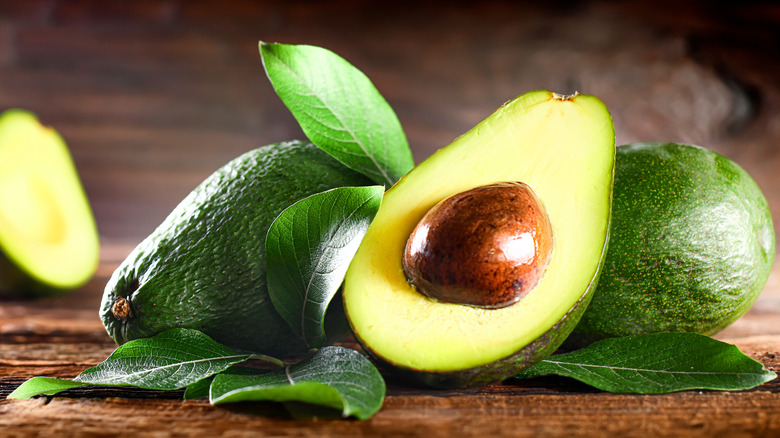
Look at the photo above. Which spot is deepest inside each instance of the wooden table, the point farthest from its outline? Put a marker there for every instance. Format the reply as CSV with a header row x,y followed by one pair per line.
x,y
59,337
153,95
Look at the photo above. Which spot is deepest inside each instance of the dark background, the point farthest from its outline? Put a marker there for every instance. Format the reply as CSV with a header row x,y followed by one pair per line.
x,y
153,96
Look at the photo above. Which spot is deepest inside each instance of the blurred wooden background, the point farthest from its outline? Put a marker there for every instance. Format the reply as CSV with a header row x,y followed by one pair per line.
x,y
154,95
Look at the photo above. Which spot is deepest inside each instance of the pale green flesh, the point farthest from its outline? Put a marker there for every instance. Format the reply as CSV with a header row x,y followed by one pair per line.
x,y
46,225
564,150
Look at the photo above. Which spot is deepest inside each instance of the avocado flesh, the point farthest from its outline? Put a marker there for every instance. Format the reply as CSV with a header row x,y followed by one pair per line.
x,y
563,148
48,237
692,245
204,266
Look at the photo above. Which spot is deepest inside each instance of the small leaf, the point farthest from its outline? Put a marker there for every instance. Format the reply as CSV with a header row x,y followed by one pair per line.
x,y
308,249
335,377
43,386
657,363
171,360
199,389
339,109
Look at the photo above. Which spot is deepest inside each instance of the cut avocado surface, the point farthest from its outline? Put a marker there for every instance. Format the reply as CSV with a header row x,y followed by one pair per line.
x,y
204,266
692,245
562,147
48,237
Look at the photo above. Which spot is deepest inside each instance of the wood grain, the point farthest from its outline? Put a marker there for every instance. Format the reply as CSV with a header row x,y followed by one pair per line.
x,y
61,336
154,95
550,406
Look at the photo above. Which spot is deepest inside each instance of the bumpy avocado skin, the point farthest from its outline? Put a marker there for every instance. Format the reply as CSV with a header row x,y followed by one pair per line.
x,y
692,245
204,266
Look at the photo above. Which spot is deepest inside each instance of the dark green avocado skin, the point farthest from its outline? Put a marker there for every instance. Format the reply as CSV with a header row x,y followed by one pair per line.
x,y
16,284
204,266
692,245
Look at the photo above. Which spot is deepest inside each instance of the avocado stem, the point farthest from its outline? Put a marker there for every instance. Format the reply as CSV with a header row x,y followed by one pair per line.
x,y
121,309
565,97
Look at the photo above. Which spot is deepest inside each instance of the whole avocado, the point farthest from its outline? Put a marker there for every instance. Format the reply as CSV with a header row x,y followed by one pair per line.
x,y
691,247
204,266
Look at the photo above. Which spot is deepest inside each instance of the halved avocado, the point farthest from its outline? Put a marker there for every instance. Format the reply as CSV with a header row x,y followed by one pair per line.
x,y
48,237
563,147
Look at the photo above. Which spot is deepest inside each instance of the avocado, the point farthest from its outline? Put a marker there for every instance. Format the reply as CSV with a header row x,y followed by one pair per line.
x,y
692,245
48,237
204,266
560,146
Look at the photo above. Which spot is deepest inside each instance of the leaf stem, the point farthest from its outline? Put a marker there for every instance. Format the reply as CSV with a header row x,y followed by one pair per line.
x,y
278,362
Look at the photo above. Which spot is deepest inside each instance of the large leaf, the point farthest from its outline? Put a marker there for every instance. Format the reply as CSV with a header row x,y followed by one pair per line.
x,y
657,363
171,360
308,249
335,377
339,109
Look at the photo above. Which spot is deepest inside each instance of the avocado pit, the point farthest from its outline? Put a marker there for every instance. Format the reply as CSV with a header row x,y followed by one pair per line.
x,y
486,247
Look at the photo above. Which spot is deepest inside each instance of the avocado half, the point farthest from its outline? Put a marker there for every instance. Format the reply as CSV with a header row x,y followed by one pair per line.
x,y
563,147
48,237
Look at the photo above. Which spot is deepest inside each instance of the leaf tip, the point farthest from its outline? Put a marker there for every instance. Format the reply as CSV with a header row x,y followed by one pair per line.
x,y
21,392
15,395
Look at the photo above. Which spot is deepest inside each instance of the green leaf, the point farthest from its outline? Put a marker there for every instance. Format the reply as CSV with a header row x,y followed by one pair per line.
x,y
335,377
171,360
657,363
43,386
308,249
339,109
199,389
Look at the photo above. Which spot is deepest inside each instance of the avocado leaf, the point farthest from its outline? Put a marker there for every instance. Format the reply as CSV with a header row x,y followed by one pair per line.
x,y
339,110
308,249
171,360
336,377
657,363
43,386
199,389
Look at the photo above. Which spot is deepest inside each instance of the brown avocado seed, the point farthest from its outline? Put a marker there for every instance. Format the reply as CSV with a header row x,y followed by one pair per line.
x,y
485,247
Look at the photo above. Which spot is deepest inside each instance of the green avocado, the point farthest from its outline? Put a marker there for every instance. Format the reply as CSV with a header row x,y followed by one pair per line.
x,y
692,245
204,266
48,238
561,147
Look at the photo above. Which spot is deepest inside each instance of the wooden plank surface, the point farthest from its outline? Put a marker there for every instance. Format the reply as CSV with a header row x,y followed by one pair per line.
x,y
59,337
153,95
